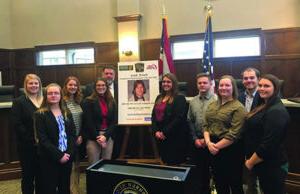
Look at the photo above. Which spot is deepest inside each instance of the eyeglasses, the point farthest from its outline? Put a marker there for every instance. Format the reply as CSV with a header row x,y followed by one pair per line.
x,y
167,81
100,85
53,93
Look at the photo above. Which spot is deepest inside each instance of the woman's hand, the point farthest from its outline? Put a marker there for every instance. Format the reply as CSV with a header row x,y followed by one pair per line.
x,y
101,139
213,149
65,158
159,135
200,143
249,165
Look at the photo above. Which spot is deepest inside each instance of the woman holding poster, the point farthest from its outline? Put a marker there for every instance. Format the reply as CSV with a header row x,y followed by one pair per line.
x,y
169,122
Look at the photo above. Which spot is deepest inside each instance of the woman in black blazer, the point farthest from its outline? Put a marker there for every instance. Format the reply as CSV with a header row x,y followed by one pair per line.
x,y
22,118
56,140
99,122
264,134
169,122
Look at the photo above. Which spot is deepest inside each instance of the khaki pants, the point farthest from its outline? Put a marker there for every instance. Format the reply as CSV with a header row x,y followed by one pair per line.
x,y
96,152
75,175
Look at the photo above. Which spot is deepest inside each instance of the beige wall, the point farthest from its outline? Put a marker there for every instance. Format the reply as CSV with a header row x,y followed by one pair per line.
x,y
40,22
188,16
5,31
128,7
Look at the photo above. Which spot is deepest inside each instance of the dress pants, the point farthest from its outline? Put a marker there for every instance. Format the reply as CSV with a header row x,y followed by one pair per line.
x,y
227,168
271,178
250,179
95,152
56,176
118,140
31,174
75,175
200,157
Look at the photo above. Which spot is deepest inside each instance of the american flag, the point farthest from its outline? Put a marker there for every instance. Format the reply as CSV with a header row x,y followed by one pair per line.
x,y
165,60
207,60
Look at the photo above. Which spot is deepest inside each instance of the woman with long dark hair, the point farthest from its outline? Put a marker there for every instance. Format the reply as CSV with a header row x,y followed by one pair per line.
x,y
265,131
22,118
169,122
56,140
99,122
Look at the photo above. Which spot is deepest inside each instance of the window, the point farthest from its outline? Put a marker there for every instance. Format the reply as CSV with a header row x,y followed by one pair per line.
x,y
237,47
52,57
188,50
55,55
241,43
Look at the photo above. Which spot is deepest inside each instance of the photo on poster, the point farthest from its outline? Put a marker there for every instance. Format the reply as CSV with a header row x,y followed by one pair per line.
x,y
138,90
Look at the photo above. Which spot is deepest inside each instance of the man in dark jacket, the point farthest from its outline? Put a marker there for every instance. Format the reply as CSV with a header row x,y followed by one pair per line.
x,y
250,99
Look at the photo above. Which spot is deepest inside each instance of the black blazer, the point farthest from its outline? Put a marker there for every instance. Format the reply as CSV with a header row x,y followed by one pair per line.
x,y
174,119
256,101
48,135
22,120
265,132
174,126
92,119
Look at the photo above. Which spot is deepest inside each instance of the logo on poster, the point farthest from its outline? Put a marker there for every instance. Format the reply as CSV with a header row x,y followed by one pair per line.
x,y
151,66
129,186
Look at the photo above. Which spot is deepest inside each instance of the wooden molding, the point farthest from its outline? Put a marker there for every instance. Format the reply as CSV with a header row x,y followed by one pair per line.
x,y
293,183
282,56
65,46
127,18
10,170
283,30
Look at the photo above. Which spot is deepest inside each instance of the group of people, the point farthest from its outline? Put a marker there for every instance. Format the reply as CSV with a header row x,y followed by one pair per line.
x,y
52,127
227,132
230,133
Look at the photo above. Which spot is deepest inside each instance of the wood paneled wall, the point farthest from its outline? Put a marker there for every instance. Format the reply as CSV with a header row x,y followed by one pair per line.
x,y
280,56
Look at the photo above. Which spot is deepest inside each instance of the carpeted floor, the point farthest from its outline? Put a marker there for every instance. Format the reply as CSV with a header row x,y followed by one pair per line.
x,y
14,186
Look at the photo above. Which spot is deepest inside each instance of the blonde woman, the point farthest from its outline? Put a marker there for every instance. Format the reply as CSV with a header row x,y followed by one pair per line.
x,y
22,116
56,141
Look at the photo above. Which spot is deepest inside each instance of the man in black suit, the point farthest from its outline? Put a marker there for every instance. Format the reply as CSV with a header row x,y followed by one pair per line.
x,y
250,99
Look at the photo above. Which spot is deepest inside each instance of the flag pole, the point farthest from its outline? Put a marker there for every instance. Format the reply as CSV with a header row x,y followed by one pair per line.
x,y
163,8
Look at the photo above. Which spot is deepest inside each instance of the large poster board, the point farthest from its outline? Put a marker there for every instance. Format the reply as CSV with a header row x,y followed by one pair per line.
x,y
138,87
